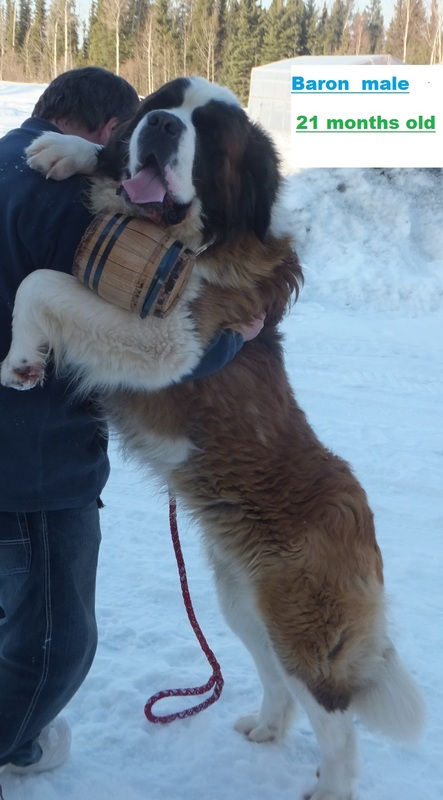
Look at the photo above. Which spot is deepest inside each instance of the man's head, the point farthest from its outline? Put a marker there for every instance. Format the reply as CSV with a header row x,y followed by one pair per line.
x,y
88,102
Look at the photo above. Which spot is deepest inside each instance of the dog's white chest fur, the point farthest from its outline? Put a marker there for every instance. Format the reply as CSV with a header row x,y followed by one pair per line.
x,y
163,454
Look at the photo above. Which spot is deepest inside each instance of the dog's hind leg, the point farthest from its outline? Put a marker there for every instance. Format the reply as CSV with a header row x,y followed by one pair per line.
x,y
334,729
44,305
24,366
336,736
103,346
238,606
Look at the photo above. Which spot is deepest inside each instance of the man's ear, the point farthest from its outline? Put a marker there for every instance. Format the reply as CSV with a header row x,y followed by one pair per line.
x,y
104,133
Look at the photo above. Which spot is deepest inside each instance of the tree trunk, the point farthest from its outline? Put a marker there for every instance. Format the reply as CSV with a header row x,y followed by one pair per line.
x,y
406,31
66,37
54,51
14,23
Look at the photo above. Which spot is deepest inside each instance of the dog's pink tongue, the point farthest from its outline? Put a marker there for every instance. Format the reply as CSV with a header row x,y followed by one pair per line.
x,y
145,187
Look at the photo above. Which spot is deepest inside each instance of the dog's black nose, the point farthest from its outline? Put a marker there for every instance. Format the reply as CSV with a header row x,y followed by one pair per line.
x,y
165,123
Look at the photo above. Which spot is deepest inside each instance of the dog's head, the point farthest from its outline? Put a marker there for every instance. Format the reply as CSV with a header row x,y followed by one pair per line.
x,y
193,154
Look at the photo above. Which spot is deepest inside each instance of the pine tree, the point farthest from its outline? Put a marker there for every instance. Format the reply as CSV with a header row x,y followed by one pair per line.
x,y
115,17
407,33
395,32
23,22
286,30
73,35
101,44
37,53
135,18
295,40
275,26
337,27
83,58
375,26
131,36
358,39
418,45
222,40
164,51
244,48
310,26
203,38
321,33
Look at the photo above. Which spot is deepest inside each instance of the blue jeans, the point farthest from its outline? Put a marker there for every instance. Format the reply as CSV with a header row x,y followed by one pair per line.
x,y
48,631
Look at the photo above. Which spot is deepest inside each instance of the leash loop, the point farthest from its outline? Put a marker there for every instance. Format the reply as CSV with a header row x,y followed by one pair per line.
x,y
215,682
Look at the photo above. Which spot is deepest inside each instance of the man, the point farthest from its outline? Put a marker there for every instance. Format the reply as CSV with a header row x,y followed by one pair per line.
x,y
53,461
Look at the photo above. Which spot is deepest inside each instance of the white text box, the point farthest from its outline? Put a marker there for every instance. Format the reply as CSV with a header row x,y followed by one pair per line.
x,y
367,116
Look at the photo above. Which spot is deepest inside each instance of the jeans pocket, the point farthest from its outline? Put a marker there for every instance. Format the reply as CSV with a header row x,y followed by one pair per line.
x,y
15,544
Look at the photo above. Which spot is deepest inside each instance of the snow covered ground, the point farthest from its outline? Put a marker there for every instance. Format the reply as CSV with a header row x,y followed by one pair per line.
x,y
364,348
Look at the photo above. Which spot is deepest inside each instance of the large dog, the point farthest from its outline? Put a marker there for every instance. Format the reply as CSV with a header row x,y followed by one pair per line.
x,y
286,524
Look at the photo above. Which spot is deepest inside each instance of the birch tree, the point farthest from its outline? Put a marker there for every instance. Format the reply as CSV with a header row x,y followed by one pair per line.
x,y
435,32
115,11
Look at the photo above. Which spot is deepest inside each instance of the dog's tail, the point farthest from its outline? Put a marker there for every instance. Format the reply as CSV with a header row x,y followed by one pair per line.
x,y
391,701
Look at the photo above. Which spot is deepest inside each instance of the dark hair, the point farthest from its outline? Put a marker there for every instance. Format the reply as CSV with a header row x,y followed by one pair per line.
x,y
89,97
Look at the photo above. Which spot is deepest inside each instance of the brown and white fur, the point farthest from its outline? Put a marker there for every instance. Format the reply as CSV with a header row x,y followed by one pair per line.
x,y
286,524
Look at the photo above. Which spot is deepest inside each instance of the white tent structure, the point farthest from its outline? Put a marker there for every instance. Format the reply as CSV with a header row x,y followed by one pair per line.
x,y
270,93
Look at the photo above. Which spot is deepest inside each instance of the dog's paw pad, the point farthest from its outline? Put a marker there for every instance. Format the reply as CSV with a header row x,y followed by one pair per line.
x,y
22,376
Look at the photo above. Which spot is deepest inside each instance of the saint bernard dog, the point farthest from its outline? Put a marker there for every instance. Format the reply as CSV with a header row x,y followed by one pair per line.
x,y
286,524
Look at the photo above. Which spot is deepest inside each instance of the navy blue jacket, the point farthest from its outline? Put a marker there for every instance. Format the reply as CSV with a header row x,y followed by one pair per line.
x,y
52,448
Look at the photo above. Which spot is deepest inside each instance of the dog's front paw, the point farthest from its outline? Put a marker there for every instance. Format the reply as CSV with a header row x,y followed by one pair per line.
x,y
22,374
324,794
254,731
59,156
320,792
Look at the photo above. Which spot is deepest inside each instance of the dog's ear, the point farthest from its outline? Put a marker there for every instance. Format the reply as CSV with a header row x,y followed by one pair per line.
x,y
171,95
262,173
236,169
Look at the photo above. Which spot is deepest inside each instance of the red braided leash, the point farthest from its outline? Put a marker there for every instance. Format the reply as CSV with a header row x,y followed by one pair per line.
x,y
216,679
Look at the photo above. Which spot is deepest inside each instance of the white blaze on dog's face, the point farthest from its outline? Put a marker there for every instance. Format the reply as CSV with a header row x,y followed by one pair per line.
x,y
193,153
169,141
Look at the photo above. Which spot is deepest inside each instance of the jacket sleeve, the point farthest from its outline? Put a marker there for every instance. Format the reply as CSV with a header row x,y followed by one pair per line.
x,y
220,351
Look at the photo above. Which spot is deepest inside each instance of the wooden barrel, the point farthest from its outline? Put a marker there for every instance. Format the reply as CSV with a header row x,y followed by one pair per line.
x,y
133,264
